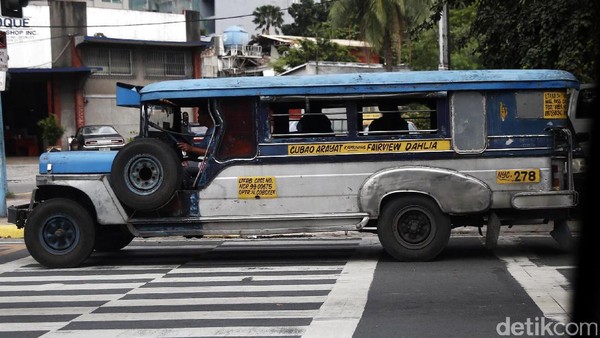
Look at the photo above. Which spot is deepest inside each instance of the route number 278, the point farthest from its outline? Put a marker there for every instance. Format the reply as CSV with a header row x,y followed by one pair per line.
x,y
517,176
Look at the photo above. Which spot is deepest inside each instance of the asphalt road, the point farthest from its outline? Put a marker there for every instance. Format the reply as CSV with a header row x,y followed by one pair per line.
x,y
335,286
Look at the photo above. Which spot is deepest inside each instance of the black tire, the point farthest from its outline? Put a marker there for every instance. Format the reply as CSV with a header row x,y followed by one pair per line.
x,y
60,233
110,238
413,228
145,174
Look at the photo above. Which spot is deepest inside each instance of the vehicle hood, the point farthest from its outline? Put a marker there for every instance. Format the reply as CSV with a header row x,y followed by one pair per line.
x,y
76,162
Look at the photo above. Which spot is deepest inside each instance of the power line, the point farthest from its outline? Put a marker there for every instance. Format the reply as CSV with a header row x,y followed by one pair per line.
x,y
142,24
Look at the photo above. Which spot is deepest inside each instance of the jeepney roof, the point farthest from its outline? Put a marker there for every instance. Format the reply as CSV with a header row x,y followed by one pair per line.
x,y
359,83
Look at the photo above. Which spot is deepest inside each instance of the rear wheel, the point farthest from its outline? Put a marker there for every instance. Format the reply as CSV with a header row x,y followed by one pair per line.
x,y
59,233
145,174
413,228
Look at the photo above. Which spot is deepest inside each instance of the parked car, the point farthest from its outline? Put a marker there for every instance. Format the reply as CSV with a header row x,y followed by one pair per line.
x,y
97,137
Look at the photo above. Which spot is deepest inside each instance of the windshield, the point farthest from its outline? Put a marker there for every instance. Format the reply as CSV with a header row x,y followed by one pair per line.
x,y
160,116
98,130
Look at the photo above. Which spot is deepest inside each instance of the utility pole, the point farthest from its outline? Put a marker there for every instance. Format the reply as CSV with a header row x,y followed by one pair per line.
x,y
443,40
11,9
3,69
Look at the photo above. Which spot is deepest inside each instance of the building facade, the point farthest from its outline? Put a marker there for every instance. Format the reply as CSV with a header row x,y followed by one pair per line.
x,y
66,57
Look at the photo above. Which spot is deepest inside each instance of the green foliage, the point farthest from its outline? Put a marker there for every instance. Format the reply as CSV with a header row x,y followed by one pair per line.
x,y
268,16
306,15
463,46
383,23
539,34
322,50
52,131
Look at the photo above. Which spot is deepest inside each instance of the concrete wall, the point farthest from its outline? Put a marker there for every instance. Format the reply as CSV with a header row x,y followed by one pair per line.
x,y
137,25
67,19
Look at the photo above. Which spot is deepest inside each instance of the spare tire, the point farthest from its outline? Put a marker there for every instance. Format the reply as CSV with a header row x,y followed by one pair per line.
x,y
145,174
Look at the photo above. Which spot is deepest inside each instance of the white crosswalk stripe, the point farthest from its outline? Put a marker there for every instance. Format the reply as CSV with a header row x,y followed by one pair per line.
x,y
232,296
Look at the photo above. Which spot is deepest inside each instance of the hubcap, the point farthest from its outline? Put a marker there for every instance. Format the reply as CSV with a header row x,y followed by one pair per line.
x,y
144,175
59,234
413,227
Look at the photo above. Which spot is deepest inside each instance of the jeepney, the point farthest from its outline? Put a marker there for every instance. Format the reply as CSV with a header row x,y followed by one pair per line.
x,y
303,154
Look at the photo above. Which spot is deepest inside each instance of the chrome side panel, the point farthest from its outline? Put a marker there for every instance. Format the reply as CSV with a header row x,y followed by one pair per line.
x,y
346,187
249,225
97,188
448,187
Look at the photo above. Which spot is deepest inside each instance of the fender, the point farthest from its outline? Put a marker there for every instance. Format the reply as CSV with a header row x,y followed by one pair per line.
x,y
455,192
96,187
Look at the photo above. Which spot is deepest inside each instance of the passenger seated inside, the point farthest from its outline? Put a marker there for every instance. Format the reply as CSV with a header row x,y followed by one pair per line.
x,y
390,120
314,123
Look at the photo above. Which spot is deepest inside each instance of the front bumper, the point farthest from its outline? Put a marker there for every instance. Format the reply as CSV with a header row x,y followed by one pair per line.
x,y
17,214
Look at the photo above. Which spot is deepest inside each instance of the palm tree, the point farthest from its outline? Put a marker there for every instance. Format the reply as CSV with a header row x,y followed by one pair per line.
x,y
382,22
268,16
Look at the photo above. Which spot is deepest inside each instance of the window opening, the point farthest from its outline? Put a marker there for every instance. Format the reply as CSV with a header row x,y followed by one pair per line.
x,y
238,135
398,117
304,117
167,63
117,62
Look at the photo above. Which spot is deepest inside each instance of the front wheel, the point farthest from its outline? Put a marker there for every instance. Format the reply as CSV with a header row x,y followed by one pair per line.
x,y
59,233
413,228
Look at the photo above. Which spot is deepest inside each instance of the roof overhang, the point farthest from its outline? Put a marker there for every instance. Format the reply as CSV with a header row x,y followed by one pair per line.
x,y
97,40
62,70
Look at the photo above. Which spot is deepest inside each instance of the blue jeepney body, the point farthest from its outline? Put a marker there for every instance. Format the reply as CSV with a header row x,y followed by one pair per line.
x,y
485,146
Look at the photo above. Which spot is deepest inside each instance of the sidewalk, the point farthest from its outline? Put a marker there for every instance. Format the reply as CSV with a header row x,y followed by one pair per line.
x,y
20,177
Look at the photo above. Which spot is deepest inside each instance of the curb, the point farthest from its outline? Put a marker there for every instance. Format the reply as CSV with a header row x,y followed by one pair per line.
x,y
10,231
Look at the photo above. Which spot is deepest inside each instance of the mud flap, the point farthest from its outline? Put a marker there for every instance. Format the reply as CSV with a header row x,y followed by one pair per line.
x,y
492,232
562,234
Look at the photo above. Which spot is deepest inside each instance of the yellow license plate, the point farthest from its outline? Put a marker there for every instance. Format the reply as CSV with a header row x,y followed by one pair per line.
x,y
517,176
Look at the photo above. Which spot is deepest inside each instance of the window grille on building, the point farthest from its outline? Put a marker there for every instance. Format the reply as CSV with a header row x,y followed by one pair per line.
x,y
166,63
116,62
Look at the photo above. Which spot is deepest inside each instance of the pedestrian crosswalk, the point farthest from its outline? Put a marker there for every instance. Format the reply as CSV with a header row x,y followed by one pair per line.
x,y
232,288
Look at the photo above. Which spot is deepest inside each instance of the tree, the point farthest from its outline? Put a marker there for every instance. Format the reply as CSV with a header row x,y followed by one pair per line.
x,y
266,17
306,15
539,34
383,23
463,45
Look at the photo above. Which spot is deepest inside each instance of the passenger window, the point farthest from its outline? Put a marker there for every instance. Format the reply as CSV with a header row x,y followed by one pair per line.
x,y
304,117
238,140
469,132
407,116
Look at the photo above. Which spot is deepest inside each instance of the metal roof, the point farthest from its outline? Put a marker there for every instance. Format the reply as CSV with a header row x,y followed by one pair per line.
x,y
60,70
104,40
359,83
